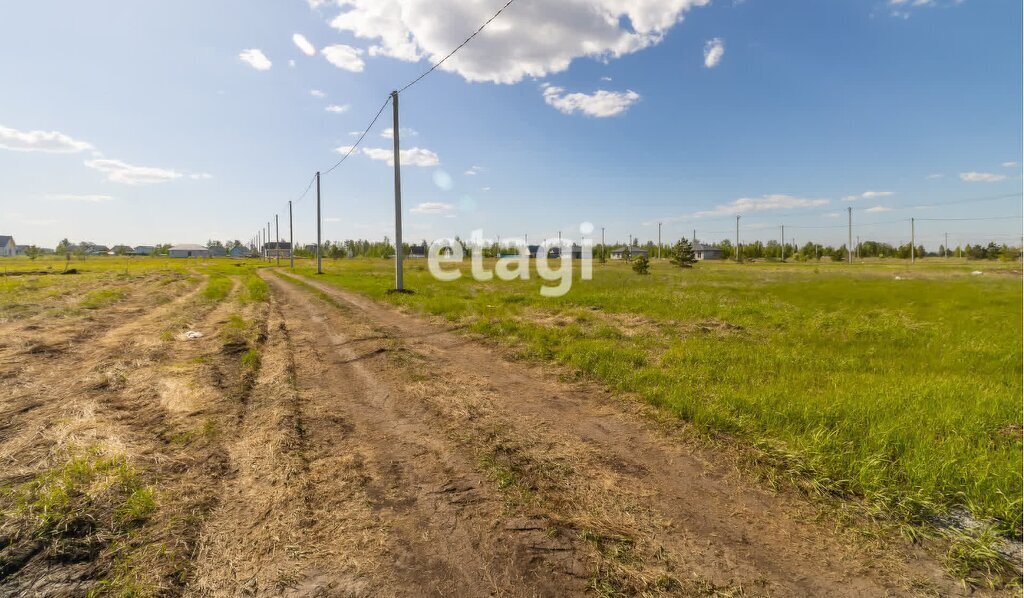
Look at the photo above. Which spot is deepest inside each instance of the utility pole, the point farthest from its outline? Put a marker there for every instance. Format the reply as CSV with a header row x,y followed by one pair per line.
x,y
738,256
399,283
858,246
277,243
603,250
319,262
659,240
849,233
912,241
268,236
783,242
945,246
694,238
291,236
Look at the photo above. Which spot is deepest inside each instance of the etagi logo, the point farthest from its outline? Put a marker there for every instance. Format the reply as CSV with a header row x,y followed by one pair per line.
x,y
515,264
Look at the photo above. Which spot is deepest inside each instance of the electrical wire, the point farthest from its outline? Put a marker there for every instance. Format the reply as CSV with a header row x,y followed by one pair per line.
x,y
459,47
358,141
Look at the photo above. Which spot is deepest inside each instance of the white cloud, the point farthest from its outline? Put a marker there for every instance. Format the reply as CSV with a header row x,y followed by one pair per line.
x,y
600,104
40,141
877,209
336,109
432,207
777,201
316,93
1009,165
531,39
255,58
934,176
291,63
713,51
344,149
120,172
200,176
344,57
83,198
474,170
389,133
869,195
410,157
303,44
606,78
981,177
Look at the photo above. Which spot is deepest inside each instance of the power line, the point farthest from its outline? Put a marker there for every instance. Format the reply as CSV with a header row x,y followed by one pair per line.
x,y
969,219
358,141
308,187
459,47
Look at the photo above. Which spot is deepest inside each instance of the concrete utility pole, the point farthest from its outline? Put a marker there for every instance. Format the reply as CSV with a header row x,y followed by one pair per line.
x,y
945,246
783,242
659,240
694,238
319,262
738,256
399,283
849,233
291,236
268,236
858,246
912,241
277,243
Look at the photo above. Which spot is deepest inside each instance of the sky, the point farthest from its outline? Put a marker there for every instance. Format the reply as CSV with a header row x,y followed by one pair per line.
x,y
179,122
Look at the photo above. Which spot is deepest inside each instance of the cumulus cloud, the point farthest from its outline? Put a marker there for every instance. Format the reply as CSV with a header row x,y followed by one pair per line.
x,y
777,201
869,195
410,157
316,93
303,44
40,141
121,172
432,207
88,198
337,109
389,133
344,57
255,58
877,209
981,177
600,104
713,51
528,40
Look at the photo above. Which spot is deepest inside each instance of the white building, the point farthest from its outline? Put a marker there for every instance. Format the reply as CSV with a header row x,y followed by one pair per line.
x,y
7,246
189,250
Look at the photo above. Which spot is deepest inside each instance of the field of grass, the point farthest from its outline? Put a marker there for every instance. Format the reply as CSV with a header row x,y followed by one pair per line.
x,y
894,385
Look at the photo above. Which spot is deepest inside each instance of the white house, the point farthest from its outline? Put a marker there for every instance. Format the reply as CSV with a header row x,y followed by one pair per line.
x,y
634,252
7,246
189,250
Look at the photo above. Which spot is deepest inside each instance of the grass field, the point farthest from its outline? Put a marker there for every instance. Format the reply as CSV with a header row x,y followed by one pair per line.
x,y
902,392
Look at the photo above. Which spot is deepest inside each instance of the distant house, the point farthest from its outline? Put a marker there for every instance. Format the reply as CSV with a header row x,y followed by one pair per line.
x,y
98,250
21,249
552,252
7,246
634,252
144,250
279,249
706,252
217,251
310,248
239,251
417,251
188,250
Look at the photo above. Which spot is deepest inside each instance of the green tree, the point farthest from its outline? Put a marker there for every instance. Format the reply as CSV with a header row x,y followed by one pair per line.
x,y
32,252
682,254
642,265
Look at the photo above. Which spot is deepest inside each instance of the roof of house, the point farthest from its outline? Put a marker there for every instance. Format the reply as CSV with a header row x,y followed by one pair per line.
x,y
189,247
144,247
278,245
5,239
703,247
633,249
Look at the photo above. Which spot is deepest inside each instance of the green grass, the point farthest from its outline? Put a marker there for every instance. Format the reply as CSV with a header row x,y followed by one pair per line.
x,y
102,298
903,394
217,288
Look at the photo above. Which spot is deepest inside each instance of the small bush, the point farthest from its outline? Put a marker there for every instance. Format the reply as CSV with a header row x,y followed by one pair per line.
x,y
642,265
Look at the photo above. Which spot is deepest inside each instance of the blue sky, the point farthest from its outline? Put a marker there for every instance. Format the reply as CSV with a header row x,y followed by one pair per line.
x,y
142,123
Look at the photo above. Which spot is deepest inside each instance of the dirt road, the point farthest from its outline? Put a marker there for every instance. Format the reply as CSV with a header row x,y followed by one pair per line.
x,y
426,461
